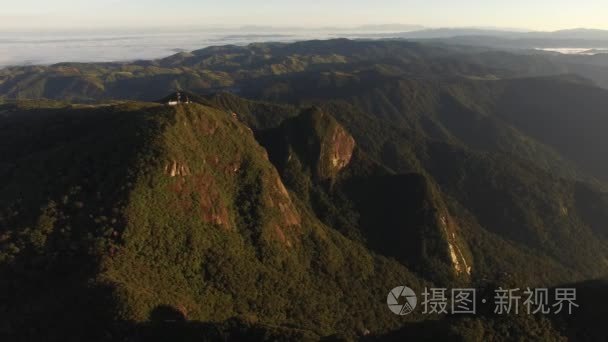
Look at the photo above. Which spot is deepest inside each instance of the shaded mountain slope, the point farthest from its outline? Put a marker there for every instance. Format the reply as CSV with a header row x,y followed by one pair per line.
x,y
527,118
185,214
538,229
534,213
400,216
569,117
179,207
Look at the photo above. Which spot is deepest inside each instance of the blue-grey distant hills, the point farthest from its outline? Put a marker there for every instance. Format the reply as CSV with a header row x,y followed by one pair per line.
x,y
578,33
572,38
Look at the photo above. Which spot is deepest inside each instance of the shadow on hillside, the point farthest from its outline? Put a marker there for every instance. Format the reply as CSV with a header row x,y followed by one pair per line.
x,y
167,323
588,321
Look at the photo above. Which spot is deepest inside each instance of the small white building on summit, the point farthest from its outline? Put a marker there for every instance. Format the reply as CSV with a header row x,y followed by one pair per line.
x,y
177,99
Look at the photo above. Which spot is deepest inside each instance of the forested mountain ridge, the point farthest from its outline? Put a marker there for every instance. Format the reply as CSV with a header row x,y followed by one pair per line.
x,y
301,184
230,67
213,234
179,208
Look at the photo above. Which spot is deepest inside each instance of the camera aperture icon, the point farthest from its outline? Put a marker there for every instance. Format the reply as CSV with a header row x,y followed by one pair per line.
x,y
401,300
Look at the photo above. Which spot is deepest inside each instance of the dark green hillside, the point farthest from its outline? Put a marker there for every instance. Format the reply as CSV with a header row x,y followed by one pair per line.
x,y
530,205
537,228
179,215
528,118
303,183
255,114
570,117
65,184
523,204
399,216
178,208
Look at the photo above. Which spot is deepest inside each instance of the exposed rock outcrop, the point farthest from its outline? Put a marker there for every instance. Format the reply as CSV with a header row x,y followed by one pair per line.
x,y
228,176
279,200
459,261
316,139
336,151
176,169
405,217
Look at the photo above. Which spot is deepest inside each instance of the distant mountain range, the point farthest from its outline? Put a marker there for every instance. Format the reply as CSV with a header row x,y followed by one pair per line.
x,y
421,32
584,34
575,38
378,27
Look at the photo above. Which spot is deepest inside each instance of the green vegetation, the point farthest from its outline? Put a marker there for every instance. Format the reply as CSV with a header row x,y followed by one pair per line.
x,y
234,68
354,167
209,241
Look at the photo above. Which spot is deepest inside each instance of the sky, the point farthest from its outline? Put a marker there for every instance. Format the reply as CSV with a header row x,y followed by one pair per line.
x,y
542,15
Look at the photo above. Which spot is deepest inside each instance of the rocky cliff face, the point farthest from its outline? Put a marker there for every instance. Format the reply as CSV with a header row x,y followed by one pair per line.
x,y
405,217
315,141
401,216
337,147
227,160
211,218
459,262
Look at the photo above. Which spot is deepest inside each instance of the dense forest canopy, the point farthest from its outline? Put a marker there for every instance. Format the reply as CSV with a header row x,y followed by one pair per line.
x,y
302,183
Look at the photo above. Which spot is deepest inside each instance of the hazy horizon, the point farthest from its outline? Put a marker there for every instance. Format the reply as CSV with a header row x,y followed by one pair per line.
x,y
33,47
33,33
373,27
49,47
122,14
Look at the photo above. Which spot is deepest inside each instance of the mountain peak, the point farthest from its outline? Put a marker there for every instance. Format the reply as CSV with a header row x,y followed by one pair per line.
x,y
316,140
